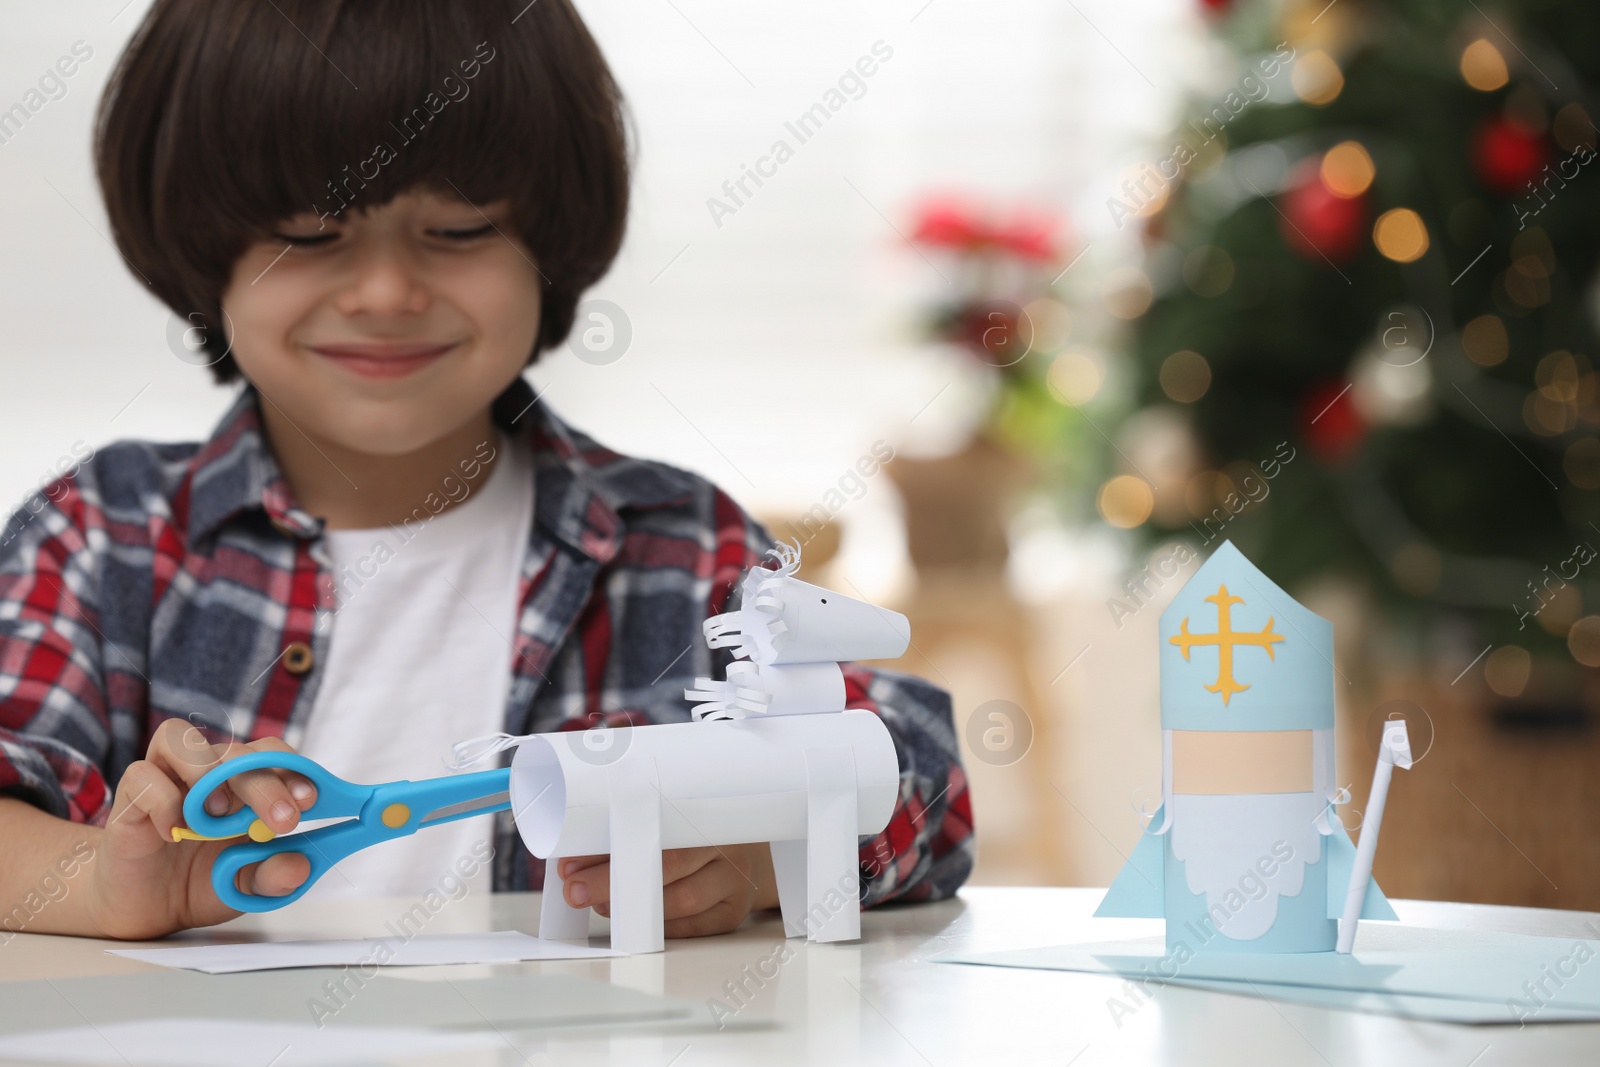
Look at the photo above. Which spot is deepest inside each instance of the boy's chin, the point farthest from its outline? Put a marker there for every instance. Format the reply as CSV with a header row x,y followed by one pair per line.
x,y
392,426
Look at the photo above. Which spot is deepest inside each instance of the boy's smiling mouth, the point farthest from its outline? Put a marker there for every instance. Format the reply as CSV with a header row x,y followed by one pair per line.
x,y
380,359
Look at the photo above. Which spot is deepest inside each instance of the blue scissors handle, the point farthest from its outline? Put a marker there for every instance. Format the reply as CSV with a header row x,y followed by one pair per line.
x,y
335,796
372,813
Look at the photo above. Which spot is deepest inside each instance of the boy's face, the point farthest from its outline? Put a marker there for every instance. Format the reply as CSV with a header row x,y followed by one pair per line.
x,y
384,331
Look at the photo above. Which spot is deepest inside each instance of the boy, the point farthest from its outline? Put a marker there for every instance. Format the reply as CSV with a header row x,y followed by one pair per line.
x,y
377,213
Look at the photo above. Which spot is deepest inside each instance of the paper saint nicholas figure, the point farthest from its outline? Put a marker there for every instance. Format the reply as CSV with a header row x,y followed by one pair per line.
x,y
1244,853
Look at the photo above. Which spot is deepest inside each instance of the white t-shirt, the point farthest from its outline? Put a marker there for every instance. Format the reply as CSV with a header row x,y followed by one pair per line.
x,y
419,658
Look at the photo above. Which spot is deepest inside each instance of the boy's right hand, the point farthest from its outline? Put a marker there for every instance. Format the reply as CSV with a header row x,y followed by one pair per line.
x,y
145,884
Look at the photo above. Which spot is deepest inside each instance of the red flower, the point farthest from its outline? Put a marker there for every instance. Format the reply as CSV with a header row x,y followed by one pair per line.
x,y
957,224
1028,236
949,224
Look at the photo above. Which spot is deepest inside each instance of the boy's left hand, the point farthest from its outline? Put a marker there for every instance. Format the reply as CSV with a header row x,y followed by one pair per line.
x,y
707,890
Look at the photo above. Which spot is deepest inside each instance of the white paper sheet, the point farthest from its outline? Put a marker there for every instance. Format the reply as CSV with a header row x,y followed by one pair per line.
x,y
178,1042
504,946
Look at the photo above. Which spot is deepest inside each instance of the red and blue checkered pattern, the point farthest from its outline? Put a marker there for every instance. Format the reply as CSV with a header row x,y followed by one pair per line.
x,y
161,581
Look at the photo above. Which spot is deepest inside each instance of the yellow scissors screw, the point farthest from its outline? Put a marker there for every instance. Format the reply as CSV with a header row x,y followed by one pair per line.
x,y
396,816
259,831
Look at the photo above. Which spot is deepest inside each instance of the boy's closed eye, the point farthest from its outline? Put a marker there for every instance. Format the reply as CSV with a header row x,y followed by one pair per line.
x,y
303,238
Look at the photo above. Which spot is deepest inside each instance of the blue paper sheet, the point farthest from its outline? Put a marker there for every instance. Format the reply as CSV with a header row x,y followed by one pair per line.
x,y
1415,972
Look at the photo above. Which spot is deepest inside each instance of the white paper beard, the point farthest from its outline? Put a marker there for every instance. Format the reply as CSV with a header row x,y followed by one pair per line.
x,y
1244,852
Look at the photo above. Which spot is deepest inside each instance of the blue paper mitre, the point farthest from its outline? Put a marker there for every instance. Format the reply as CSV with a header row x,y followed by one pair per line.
x,y
1256,659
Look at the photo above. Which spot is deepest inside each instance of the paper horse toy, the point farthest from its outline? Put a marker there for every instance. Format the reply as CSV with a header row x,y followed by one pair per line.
x,y
772,756
1244,853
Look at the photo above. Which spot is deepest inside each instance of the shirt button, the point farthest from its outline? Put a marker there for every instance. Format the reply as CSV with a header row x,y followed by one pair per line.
x,y
297,658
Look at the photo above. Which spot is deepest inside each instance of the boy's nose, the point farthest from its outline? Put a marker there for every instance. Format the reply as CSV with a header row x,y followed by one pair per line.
x,y
385,283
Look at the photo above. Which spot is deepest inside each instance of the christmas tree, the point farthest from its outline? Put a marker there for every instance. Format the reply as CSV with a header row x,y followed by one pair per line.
x,y
1375,261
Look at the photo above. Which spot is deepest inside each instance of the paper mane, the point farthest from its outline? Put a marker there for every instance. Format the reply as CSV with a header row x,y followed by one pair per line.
x,y
788,638
1245,853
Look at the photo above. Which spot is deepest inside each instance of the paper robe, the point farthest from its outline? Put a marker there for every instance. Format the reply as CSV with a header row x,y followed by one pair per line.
x,y
809,784
1244,854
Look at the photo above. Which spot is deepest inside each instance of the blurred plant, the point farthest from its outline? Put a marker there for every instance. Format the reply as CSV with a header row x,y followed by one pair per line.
x,y
1001,311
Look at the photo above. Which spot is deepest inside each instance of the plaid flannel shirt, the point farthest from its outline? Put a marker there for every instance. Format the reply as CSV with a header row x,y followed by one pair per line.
x,y
181,580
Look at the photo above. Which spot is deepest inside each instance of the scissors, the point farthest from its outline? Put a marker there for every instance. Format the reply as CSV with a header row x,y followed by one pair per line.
x,y
372,813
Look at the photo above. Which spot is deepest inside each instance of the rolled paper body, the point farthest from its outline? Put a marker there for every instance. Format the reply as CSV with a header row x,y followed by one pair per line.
x,y
721,783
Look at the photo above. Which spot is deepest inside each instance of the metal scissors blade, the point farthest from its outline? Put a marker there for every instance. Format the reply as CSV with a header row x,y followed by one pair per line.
x,y
467,807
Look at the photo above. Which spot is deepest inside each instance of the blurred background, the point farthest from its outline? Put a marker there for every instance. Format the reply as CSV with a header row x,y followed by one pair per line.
x,y
1110,282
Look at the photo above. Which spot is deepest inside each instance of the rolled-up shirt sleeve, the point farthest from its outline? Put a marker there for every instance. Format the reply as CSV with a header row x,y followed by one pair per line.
x,y
54,727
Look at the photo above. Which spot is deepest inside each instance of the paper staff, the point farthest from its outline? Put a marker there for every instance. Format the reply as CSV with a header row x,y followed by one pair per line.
x,y
1394,751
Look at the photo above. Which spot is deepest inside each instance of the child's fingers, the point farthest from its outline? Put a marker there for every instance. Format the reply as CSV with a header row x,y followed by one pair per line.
x,y
177,749
586,880
145,792
275,876
721,917
265,793
700,891
571,865
589,886
678,863
301,788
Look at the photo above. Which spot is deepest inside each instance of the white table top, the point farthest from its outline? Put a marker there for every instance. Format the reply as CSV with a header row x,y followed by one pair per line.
x,y
880,1001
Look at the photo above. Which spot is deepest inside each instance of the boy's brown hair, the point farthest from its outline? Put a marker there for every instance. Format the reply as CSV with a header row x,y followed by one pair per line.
x,y
225,117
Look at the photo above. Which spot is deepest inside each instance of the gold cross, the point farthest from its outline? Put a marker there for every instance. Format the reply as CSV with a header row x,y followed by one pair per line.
x,y
1225,638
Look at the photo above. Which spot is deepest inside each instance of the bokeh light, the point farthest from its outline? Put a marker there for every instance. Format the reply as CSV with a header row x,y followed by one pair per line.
x,y
1400,235
1484,340
1347,169
1507,670
1317,79
1185,376
1483,66
1126,501
1583,640
1075,377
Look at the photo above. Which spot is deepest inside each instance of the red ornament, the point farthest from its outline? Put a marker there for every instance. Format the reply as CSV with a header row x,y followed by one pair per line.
x,y
1215,6
1318,223
1508,155
1330,422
